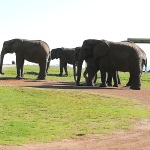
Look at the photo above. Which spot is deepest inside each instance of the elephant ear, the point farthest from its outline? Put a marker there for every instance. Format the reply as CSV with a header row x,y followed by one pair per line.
x,y
88,47
15,45
101,49
7,46
76,54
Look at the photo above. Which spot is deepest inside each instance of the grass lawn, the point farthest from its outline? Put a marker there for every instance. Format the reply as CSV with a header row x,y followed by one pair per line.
x,y
34,115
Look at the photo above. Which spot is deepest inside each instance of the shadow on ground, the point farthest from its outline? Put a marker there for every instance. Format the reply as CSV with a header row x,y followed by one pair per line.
x,y
48,84
63,85
7,78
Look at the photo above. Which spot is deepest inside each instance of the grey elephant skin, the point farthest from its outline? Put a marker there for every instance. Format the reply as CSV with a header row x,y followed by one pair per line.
x,y
65,55
113,57
36,51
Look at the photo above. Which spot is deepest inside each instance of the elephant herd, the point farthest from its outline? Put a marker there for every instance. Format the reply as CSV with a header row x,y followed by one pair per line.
x,y
100,55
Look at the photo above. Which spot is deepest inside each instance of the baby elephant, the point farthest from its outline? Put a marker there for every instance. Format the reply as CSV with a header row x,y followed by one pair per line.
x,y
66,57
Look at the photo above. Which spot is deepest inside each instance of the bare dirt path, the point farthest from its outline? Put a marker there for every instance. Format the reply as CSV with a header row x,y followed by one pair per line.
x,y
136,139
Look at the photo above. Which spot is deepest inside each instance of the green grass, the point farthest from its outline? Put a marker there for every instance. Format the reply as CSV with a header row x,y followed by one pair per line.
x,y
30,115
31,72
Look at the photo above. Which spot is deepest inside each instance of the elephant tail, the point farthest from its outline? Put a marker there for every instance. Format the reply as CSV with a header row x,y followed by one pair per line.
x,y
146,65
1,63
48,62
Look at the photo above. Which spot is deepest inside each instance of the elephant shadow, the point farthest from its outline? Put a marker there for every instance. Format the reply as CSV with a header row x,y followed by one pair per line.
x,y
6,78
49,74
52,74
57,75
35,73
32,73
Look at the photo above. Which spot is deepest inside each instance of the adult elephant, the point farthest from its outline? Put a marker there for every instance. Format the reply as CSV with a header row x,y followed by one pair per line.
x,y
113,57
36,51
66,57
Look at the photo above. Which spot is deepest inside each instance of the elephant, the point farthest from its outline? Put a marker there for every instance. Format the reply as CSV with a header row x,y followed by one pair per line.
x,y
90,73
112,57
36,51
66,57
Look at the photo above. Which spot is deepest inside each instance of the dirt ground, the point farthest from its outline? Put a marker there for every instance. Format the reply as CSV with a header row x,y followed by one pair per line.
x,y
136,139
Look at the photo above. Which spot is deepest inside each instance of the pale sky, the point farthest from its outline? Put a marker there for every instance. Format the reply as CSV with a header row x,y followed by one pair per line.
x,y
67,23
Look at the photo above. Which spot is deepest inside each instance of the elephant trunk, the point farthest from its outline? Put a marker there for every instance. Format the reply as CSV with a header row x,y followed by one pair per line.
x,y
1,62
79,69
48,62
75,71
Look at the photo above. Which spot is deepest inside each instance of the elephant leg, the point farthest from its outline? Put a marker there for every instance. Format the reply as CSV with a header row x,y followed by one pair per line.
x,y
65,68
61,67
42,72
19,64
92,73
22,72
115,79
136,83
109,79
130,80
85,75
91,69
103,78
92,77
95,79
119,82
61,71
79,70
18,72
88,75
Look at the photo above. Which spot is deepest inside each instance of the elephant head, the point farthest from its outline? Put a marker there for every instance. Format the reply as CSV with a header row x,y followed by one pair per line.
x,y
6,48
10,46
57,53
85,53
